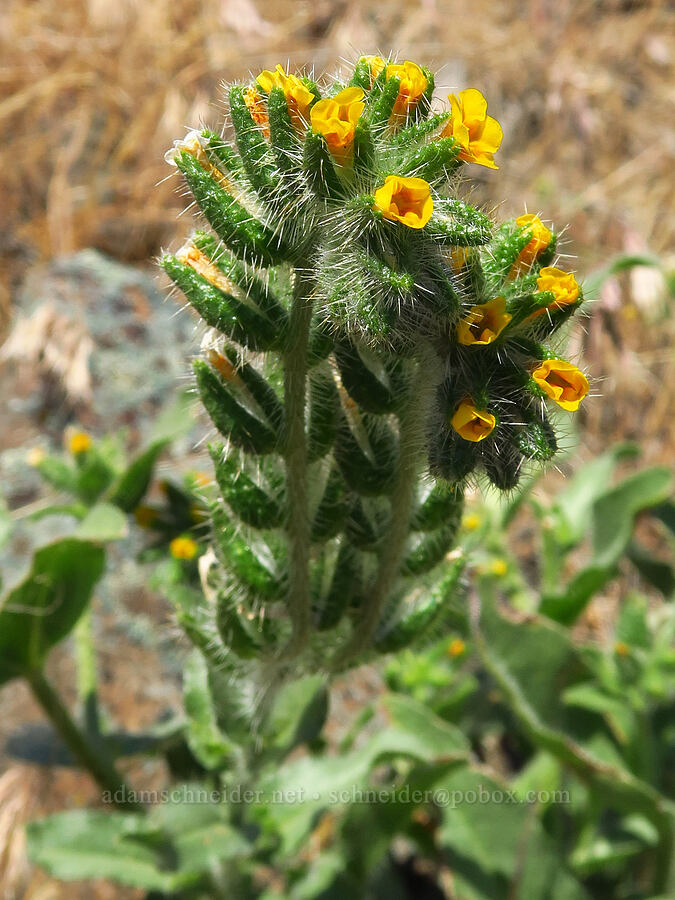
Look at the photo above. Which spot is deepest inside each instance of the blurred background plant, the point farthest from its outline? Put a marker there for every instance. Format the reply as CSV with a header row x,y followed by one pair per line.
x,y
90,97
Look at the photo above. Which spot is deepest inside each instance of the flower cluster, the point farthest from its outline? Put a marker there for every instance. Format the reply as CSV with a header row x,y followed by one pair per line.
x,y
363,320
358,181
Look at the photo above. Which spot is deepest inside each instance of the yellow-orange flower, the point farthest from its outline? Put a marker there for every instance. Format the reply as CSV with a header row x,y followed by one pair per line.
x,y
471,522
298,97
413,85
406,200
478,134
336,117
470,423
183,548
456,647
483,323
562,382
79,442
256,106
540,240
459,256
376,64
563,285
499,567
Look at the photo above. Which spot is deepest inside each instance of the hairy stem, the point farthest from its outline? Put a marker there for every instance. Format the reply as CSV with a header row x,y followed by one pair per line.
x,y
295,457
92,758
412,441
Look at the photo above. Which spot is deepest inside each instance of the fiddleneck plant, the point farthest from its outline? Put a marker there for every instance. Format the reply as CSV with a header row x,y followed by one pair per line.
x,y
373,342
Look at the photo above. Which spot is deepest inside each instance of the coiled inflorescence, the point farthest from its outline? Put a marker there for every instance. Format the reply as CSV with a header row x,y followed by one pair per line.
x,y
363,318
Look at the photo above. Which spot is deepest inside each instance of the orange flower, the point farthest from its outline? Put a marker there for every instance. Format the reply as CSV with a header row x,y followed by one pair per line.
x,y
406,200
562,382
79,442
183,548
298,97
336,117
563,285
456,647
483,324
413,85
540,240
478,134
376,64
472,424
256,106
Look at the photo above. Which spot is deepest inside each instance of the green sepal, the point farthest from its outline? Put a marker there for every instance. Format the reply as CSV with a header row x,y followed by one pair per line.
x,y
451,457
423,106
222,155
332,511
431,549
320,345
396,633
229,416
381,104
503,464
222,311
235,636
360,472
94,475
344,588
250,503
253,148
131,486
455,222
417,132
324,413
361,75
245,278
442,505
320,169
239,559
243,234
260,389
367,524
283,137
536,439
434,161
364,155
312,87
362,385
549,322
58,473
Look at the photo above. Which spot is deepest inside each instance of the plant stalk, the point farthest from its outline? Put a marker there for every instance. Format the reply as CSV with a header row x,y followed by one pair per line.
x,y
412,441
295,457
91,758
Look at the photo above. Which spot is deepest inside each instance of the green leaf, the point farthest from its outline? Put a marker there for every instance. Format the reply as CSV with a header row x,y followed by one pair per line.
x,y
567,605
614,512
205,739
58,473
314,783
496,847
132,485
104,522
656,572
43,609
90,844
573,506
